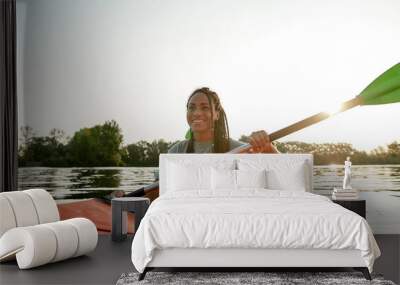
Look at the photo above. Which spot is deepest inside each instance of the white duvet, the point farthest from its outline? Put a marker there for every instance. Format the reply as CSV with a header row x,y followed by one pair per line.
x,y
250,219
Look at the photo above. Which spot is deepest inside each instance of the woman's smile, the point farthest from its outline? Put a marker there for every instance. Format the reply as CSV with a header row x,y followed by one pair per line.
x,y
197,121
199,125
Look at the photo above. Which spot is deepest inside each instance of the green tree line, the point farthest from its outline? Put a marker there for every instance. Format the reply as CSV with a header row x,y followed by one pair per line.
x,y
336,153
102,145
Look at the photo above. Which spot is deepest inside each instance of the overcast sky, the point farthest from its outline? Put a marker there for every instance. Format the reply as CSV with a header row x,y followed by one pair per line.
x,y
272,63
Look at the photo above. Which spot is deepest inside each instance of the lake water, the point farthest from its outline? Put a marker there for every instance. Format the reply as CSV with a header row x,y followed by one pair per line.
x,y
378,184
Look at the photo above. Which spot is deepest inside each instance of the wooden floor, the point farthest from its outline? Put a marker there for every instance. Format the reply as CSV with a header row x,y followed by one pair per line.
x,y
111,259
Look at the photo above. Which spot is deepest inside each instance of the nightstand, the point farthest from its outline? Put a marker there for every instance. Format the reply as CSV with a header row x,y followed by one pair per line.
x,y
357,206
120,207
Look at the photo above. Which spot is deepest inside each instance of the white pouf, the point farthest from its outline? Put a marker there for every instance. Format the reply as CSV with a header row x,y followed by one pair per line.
x,y
31,232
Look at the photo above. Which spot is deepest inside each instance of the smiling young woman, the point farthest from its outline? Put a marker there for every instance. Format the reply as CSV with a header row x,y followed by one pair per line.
x,y
209,131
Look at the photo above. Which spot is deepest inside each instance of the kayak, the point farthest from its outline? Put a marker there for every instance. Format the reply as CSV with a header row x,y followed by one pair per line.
x,y
98,211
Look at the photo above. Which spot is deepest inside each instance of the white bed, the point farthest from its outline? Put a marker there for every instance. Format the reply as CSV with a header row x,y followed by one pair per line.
x,y
239,210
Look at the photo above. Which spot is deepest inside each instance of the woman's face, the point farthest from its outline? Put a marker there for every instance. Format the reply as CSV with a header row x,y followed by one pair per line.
x,y
199,113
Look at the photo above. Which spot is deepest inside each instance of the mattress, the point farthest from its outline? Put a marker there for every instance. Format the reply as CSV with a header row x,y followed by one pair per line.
x,y
250,219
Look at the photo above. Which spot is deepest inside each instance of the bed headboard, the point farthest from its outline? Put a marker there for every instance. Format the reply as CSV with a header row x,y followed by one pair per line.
x,y
233,160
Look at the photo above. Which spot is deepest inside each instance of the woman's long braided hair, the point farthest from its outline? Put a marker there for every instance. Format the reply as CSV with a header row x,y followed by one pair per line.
x,y
221,129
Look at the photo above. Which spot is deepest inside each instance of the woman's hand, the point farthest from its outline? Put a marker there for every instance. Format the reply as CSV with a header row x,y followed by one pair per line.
x,y
261,142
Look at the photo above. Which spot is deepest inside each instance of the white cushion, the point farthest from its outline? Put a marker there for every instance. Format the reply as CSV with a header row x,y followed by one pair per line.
x,y
181,177
281,174
45,205
223,179
169,175
246,161
26,208
87,234
7,218
251,178
23,208
67,240
34,244
40,244
292,178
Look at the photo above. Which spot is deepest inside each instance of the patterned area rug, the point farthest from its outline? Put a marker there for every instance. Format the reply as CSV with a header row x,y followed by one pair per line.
x,y
273,278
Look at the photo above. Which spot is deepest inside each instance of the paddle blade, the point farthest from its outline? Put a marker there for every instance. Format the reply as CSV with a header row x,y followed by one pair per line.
x,y
383,90
390,97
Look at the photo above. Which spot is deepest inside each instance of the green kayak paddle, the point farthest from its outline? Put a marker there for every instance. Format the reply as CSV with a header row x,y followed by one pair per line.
x,y
385,89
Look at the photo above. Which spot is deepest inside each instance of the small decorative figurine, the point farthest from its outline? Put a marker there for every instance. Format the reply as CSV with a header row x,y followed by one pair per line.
x,y
347,174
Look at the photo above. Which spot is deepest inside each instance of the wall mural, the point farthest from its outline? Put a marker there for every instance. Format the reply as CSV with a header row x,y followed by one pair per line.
x,y
103,91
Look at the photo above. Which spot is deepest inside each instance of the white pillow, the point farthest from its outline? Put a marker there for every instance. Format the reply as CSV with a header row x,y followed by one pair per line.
x,y
281,174
182,177
186,174
293,178
223,179
251,178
